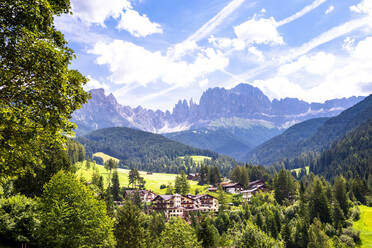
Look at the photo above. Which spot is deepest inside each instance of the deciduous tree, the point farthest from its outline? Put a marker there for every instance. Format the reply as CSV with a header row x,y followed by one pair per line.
x,y
38,92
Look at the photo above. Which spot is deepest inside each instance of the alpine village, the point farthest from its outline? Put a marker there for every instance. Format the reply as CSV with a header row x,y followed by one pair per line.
x,y
274,149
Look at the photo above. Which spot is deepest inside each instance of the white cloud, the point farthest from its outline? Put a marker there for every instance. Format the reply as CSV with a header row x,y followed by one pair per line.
x,y
203,83
348,44
181,49
327,36
364,7
208,27
259,31
129,63
319,64
226,43
301,13
329,10
94,84
138,25
323,76
77,31
259,55
97,11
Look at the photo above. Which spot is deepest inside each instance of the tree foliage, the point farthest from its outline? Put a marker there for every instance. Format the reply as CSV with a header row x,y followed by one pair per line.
x,y
19,219
71,216
129,227
38,92
285,186
178,234
181,185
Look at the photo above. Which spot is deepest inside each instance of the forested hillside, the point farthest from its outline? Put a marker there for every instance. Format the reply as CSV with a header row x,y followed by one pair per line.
x,y
312,135
351,156
145,151
286,144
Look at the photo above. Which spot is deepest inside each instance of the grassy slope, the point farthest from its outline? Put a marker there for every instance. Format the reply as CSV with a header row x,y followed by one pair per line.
x,y
299,169
198,159
105,157
153,181
364,225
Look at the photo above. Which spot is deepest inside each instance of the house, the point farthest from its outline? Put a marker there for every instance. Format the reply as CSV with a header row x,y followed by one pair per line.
x,y
232,188
193,176
146,195
212,189
256,183
182,205
207,203
255,186
170,205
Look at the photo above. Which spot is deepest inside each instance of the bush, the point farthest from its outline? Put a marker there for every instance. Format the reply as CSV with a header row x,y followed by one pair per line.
x,y
348,241
163,186
355,214
329,230
352,233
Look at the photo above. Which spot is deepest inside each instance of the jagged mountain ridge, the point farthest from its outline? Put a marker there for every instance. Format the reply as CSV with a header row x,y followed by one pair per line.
x,y
244,101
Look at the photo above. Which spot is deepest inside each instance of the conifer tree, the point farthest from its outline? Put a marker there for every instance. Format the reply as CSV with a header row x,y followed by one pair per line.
x,y
115,186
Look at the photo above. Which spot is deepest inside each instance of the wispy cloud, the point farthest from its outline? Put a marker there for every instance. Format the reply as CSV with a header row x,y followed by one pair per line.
x,y
294,53
328,36
329,10
301,13
210,26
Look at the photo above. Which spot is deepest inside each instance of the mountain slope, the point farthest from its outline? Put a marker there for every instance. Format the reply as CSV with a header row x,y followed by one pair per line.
x,y
126,143
350,156
287,144
219,141
312,135
227,139
144,150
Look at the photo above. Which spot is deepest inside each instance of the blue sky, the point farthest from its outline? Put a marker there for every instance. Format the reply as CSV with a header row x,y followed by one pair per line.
x,y
155,52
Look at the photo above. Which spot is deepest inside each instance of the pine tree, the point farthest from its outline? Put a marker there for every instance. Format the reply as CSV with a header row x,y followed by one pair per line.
x,y
115,186
129,227
285,186
181,184
317,238
340,194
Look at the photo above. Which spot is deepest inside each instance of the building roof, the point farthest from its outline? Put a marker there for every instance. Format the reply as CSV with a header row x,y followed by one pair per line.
x,y
256,182
232,185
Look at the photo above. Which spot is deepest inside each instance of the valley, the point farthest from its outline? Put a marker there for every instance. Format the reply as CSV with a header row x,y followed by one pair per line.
x,y
100,148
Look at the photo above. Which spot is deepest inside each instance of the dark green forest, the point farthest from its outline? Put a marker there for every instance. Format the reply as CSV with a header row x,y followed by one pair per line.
x,y
148,151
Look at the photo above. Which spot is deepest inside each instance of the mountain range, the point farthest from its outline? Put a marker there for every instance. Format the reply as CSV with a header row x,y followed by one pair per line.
x,y
229,121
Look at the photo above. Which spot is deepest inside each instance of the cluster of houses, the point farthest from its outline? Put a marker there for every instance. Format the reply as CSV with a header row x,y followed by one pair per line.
x,y
182,205
237,188
176,204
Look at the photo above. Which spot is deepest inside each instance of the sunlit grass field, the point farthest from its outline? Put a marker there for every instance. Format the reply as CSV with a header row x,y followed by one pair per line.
x,y
105,157
299,169
198,159
364,225
153,182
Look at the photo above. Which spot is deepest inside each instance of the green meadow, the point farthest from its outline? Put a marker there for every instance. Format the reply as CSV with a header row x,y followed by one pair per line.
x,y
364,225
197,159
298,170
153,181
105,157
